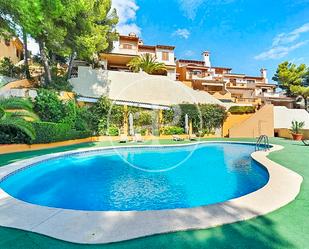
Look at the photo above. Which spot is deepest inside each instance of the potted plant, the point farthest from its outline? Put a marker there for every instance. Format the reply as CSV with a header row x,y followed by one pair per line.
x,y
295,129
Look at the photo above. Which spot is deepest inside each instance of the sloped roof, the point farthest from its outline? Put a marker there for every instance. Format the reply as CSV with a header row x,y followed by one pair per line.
x,y
137,87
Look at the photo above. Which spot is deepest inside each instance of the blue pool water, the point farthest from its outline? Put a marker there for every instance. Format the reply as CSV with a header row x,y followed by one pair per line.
x,y
140,178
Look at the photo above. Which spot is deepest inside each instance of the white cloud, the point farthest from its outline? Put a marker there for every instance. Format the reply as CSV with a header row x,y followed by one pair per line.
x,y
183,33
190,7
126,11
285,43
280,51
286,38
189,53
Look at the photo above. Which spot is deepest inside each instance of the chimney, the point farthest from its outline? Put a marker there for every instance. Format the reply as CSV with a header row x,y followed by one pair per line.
x,y
132,34
206,57
264,74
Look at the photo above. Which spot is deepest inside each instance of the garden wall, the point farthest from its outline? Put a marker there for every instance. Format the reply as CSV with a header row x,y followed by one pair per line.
x,y
232,120
286,133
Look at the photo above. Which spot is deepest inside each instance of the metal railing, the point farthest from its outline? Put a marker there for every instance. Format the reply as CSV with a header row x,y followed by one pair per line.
x,y
262,143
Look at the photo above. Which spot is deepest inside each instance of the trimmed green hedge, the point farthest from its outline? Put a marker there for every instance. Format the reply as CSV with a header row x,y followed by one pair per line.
x,y
242,109
12,135
172,130
47,132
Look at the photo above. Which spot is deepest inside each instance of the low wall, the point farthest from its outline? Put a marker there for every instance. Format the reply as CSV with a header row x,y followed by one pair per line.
x,y
12,148
286,133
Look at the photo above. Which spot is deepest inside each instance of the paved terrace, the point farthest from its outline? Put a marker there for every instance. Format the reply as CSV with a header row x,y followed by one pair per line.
x,y
284,228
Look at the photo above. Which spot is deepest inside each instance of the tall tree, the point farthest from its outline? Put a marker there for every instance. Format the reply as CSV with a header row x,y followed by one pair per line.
x,y
289,74
17,18
302,91
294,79
91,31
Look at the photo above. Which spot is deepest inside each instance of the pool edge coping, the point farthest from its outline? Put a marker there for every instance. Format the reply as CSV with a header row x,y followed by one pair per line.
x,y
92,227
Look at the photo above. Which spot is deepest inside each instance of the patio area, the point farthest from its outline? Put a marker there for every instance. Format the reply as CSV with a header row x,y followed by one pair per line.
x,y
284,228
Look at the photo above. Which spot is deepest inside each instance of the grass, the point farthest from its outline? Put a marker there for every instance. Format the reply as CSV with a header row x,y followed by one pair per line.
x,y
287,227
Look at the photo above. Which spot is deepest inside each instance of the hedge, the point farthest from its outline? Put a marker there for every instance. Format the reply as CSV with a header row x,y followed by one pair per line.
x,y
47,132
11,135
242,109
171,130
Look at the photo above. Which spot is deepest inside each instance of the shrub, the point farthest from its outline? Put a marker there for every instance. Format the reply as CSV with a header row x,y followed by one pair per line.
x,y
242,109
83,119
12,135
168,116
113,131
143,118
7,68
104,114
48,106
47,132
212,117
59,83
171,130
203,116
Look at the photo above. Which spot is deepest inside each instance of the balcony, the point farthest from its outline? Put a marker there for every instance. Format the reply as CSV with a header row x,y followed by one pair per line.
x,y
241,85
272,95
253,101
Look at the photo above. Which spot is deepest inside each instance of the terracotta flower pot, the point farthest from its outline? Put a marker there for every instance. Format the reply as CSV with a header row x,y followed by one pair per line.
x,y
297,137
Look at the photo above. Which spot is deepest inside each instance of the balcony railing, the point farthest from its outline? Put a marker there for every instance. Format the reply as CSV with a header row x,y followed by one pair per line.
x,y
247,100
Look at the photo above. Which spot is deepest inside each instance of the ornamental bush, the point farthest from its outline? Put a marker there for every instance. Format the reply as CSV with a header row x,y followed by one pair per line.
x,y
172,130
242,109
112,131
104,114
47,132
213,117
204,117
49,107
12,135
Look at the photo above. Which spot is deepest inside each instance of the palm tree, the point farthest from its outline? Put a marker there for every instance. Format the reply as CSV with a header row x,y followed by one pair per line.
x,y
16,113
147,63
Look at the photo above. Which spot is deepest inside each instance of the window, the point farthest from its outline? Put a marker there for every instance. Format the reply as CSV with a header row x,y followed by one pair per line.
x,y
127,46
165,56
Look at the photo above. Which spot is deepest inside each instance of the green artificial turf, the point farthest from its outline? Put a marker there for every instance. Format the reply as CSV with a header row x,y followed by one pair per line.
x,y
287,227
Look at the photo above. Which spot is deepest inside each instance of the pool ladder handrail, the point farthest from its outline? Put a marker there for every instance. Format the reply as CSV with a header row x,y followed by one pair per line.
x,y
262,140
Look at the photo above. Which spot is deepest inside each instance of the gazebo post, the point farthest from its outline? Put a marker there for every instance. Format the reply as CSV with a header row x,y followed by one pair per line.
x,y
125,119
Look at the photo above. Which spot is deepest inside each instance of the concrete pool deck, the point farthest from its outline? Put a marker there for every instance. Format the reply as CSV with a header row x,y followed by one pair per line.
x,y
104,227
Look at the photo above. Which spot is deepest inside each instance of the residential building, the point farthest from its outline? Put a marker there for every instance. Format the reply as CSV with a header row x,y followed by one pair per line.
x,y
12,48
129,46
135,89
222,82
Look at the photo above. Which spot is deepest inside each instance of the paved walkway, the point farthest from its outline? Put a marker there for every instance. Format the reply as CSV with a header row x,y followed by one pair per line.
x,y
285,228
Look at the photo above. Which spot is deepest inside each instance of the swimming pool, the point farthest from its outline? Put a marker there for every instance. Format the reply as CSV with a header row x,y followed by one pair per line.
x,y
148,178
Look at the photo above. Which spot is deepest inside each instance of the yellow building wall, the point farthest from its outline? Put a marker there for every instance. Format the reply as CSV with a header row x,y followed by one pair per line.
x,y
261,123
232,120
9,51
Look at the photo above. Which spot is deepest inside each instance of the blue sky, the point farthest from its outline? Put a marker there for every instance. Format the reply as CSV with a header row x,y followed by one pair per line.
x,y
243,34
